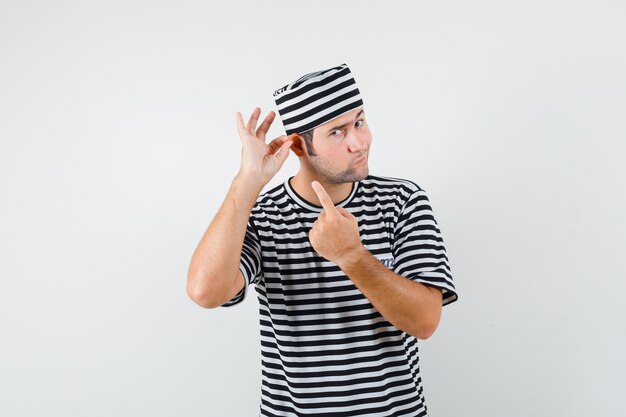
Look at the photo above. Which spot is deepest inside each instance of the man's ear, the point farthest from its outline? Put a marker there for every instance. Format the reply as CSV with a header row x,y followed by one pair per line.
x,y
298,146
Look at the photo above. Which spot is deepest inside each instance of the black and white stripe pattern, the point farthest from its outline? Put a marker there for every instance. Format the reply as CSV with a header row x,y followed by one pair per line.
x,y
325,349
317,98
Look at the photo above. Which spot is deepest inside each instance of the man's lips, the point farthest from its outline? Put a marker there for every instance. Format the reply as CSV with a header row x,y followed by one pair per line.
x,y
361,160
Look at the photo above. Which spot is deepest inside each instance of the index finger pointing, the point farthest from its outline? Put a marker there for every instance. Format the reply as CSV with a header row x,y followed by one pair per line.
x,y
324,198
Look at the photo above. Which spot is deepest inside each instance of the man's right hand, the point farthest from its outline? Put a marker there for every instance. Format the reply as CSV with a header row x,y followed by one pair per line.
x,y
260,161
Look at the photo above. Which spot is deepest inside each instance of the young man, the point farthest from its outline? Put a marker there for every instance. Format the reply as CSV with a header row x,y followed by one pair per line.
x,y
350,268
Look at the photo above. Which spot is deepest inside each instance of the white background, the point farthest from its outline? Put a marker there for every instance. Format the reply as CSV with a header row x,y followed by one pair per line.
x,y
118,143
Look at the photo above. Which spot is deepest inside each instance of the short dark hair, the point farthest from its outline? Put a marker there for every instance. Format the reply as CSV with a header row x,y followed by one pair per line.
x,y
308,141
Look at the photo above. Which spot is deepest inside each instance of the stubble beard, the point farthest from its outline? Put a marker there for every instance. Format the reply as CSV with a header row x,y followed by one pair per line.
x,y
351,174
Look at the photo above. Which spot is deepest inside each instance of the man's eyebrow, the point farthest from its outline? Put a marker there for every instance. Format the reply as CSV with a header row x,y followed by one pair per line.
x,y
332,129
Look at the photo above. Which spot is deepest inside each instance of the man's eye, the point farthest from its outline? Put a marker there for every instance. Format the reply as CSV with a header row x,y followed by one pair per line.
x,y
336,132
359,123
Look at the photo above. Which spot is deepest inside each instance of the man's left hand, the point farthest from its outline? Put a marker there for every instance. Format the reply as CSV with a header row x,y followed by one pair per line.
x,y
335,233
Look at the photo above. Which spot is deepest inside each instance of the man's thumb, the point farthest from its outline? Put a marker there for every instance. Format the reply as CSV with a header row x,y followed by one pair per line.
x,y
283,152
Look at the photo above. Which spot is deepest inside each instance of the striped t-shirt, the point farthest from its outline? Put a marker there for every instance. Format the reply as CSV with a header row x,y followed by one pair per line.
x,y
325,350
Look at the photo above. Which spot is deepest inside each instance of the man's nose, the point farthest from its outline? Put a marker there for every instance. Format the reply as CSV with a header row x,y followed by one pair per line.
x,y
357,143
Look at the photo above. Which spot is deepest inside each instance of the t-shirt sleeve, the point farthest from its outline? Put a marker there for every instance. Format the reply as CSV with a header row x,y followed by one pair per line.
x,y
418,248
249,263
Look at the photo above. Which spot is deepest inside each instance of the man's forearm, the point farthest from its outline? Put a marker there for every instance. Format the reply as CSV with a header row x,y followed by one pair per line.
x,y
215,263
410,306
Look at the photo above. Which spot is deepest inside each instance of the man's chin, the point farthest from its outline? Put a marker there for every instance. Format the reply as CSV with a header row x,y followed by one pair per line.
x,y
354,175
363,171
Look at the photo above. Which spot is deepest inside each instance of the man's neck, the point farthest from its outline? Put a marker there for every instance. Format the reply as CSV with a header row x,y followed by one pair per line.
x,y
301,183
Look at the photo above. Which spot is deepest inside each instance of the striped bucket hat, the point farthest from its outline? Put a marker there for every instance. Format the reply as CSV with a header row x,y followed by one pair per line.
x,y
317,98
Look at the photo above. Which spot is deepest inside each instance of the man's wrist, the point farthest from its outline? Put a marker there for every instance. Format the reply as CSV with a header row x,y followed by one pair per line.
x,y
245,191
248,182
353,258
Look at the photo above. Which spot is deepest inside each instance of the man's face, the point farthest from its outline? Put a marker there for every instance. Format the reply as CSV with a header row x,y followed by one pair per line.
x,y
342,148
